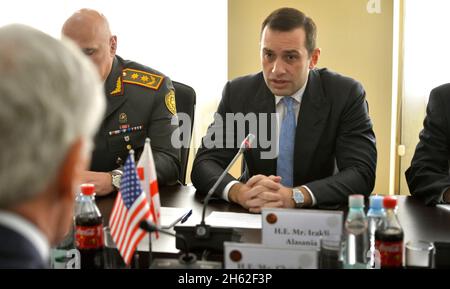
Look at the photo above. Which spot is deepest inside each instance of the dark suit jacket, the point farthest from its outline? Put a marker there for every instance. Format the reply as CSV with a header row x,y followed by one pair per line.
x,y
131,104
17,252
428,176
333,129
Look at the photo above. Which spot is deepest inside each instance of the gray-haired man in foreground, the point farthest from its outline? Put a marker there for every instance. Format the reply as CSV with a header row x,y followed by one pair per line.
x,y
52,103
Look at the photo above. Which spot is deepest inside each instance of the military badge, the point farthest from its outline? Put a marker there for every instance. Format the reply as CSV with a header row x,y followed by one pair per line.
x,y
125,130
170,102
123,118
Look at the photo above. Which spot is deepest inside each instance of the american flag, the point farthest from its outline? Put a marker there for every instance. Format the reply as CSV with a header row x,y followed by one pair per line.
x,y
147,174
130,208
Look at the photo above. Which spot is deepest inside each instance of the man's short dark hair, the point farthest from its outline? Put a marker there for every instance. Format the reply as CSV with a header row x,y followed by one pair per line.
x,y
287,19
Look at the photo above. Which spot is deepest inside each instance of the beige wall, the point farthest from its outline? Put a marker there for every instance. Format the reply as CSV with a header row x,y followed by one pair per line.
x,y
353,42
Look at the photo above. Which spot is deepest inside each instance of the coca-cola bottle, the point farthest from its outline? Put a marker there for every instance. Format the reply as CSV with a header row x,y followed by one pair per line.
x,y
389,237
89,229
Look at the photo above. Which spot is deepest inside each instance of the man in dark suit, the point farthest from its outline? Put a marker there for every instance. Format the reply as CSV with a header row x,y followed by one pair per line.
x,y
318,119
52,104
140,104
428,176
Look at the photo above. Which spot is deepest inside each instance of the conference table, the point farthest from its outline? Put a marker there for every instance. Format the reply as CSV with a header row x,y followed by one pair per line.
x,y
419,222
183,197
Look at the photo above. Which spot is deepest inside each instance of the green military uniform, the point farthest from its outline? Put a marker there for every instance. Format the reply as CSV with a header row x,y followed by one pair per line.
x,y
140,104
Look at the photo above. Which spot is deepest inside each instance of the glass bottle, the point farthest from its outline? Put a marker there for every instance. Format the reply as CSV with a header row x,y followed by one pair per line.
x,y
356,234
375,216
89,229
389,237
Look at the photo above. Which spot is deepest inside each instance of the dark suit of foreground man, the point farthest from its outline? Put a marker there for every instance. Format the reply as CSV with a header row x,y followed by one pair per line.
x,y
428,177
140,104
332,129
48,124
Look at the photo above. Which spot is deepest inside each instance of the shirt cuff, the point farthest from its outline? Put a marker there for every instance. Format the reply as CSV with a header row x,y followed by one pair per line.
x,y
227,190
314,202
441,198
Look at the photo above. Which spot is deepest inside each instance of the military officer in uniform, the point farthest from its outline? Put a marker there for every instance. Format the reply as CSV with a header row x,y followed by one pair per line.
x,y
140,104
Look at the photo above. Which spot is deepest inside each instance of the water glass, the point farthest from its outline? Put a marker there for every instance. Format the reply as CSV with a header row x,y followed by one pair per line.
x,y
419,254
330,256
113,259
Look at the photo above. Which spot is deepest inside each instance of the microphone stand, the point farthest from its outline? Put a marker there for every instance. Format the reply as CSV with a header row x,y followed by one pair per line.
x,y
202,236
202,230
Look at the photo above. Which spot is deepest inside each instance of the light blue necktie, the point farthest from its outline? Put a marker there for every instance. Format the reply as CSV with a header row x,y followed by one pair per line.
x,y
285,161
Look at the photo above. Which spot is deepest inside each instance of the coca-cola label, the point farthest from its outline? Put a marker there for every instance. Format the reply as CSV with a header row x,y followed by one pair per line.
x,y
89,237
391,253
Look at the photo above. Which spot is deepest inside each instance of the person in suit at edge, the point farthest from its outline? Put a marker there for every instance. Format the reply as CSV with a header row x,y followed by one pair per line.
x,y
52,104
326,141
140,104
428,176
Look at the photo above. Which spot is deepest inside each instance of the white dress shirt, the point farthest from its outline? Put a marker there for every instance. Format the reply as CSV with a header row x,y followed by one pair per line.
x,y
280,113
28,230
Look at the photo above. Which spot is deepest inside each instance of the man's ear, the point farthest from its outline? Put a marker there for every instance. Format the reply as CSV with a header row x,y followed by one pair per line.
x,y
314,58
75,162
113,45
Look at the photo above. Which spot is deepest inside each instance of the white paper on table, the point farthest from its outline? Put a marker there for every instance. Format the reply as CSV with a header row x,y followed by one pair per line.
x,y
445,207
172,216
234,220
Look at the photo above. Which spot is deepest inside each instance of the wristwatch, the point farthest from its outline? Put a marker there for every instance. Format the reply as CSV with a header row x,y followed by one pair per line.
x,y
116,176
298,197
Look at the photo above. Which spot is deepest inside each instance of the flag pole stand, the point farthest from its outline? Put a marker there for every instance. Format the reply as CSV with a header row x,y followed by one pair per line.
x,y
150,251
135,261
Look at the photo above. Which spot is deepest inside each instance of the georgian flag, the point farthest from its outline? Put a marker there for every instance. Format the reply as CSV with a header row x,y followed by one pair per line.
x,y
147,174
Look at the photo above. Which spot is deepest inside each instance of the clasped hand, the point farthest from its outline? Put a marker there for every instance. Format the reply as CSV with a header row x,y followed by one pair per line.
x,y
262,191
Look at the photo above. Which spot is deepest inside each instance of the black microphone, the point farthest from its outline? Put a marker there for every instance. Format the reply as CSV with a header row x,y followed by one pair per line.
x,y
186,260
187,257
205,236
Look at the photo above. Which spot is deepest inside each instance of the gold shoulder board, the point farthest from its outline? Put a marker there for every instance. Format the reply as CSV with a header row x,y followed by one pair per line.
x,y
142,78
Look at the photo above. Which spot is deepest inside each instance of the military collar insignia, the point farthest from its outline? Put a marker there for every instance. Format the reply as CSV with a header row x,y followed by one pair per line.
x,y
119,87
170,102
142,78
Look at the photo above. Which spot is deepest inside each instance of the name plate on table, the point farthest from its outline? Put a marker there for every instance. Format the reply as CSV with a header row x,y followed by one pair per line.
x,y
257,256
299,228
